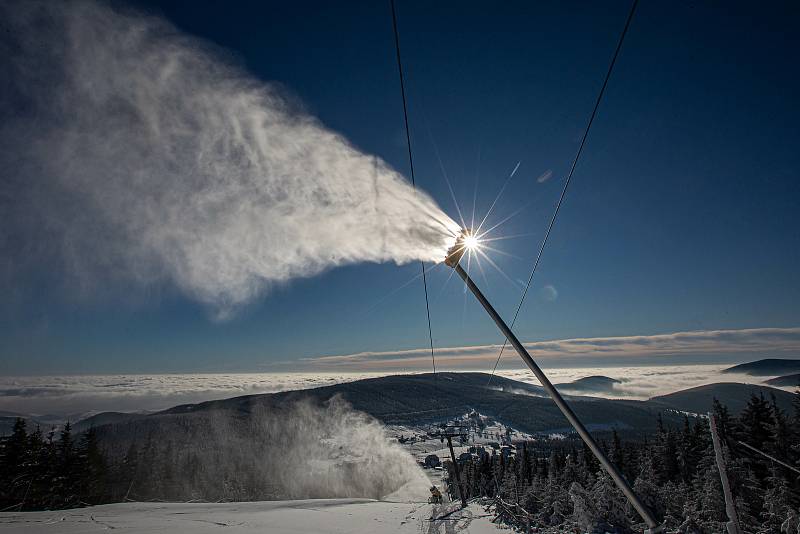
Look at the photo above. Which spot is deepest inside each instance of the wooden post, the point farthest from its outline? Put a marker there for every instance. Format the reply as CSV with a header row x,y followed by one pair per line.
x,y
733,521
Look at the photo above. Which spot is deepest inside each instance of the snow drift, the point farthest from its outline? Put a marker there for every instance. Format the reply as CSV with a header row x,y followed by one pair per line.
x,y
136,152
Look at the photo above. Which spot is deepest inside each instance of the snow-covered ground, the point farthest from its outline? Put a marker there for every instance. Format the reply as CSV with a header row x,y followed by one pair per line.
x,y
316,516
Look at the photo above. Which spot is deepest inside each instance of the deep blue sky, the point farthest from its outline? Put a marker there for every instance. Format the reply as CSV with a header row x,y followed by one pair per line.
x,y
682,215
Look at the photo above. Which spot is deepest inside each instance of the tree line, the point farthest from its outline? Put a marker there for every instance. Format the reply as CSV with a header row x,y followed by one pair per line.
x,y
560,483
61,470
557,481
50,471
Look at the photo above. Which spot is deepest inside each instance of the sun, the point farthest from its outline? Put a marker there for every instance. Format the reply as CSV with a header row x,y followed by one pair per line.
x,y
471,242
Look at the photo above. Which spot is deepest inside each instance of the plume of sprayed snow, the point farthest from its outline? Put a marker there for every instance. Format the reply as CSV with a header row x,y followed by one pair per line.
x,y
335,451
140,153
296,450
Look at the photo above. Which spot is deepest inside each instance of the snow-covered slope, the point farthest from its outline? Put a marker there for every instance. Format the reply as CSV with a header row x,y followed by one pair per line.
x,y
316,516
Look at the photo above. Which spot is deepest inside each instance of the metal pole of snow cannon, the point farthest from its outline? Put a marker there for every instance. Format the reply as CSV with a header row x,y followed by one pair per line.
x,y
454,256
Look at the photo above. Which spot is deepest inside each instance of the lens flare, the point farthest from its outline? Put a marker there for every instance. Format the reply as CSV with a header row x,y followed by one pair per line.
x,y
471,242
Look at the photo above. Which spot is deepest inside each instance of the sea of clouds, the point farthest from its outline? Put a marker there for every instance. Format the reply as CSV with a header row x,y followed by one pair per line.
x,y
78,395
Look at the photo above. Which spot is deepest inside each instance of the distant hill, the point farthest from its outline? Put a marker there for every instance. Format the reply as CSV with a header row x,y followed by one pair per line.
x,y
419,398
105,418
734,396
409,399
786,380
590,384
766,367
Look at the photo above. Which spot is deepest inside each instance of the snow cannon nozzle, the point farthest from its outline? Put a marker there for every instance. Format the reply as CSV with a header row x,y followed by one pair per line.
x,y
457,250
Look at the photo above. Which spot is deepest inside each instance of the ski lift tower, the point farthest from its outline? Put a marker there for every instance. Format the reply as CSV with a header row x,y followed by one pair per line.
x,y
448,433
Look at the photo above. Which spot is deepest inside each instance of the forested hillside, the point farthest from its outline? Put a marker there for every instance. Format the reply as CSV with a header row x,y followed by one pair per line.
x,y
673,471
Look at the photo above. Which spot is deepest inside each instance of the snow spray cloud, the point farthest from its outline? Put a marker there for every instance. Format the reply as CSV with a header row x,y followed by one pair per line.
x,y
140,153
335,451
298,450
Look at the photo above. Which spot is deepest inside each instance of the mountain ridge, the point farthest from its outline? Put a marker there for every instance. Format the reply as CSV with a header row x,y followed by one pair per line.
x,y
766,367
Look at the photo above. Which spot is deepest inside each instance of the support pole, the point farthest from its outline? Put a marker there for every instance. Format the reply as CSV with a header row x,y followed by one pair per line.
x,y
620,481
730,509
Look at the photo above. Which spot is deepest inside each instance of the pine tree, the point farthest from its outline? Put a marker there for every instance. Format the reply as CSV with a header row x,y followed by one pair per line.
x,y
615,453
755,421
37,467
777,503
685,453
589,466
747,494
584,512
92,468
709,503
523,464
780,432
65,482
609,501
670,468
13,455
647,487
675,498
795,449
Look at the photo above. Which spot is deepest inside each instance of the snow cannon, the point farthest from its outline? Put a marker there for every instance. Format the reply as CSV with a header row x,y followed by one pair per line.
x,y
457,251
468,241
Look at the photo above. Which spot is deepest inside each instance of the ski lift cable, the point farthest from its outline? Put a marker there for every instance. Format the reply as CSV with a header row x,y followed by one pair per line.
x,y
566,183
762,453
411,168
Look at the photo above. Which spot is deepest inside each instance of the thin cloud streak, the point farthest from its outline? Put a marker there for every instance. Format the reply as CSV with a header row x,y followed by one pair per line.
x,y
756,342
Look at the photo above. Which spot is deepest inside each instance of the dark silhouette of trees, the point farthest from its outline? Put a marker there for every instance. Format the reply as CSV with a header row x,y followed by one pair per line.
x,y
674,472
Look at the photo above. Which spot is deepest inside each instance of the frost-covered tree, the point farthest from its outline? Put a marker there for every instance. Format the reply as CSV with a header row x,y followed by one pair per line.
x,y
609,501
755,422
584,511
777,503
709,503
647,487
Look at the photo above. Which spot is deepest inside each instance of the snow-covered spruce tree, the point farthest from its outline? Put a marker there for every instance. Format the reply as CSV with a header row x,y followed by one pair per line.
x,y
588,466
67,473
508,487
755,422
584,512
777,503
531,500
780,430
523,464
615,452
13,452
665,455
610,503
686,453
675,497
554,499
647,487
91,477
709,504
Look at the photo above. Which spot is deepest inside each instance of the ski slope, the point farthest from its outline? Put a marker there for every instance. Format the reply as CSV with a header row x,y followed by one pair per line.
x,y
315,516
